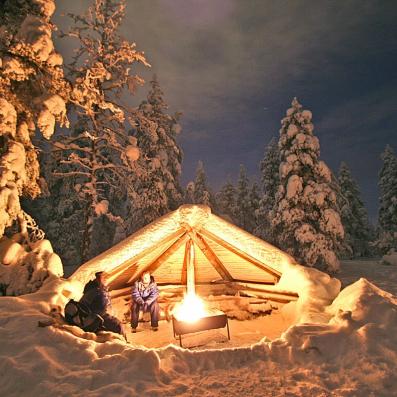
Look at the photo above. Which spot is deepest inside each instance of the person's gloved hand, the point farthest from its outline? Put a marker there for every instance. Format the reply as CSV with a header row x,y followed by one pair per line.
x,y
140,301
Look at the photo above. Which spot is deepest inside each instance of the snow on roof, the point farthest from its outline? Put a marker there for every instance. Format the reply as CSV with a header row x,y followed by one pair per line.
x,y
196,217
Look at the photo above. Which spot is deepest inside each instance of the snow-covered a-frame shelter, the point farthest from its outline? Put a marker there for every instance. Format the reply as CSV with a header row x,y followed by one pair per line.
x,y
224,256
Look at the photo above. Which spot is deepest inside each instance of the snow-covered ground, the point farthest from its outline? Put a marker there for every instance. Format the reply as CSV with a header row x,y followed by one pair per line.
x,y
353,353
243,333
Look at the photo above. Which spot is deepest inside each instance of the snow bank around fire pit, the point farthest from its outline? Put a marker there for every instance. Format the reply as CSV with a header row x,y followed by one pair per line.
x,y
343,342
353,353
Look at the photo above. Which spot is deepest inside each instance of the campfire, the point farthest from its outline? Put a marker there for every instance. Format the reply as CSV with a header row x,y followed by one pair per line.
x,y
191,315
191,309
186,319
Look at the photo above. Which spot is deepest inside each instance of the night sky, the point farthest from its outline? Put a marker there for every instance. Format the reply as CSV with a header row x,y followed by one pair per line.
x,y
233,66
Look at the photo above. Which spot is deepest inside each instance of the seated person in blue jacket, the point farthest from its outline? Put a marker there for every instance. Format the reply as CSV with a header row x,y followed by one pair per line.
x,y
97,299
144,297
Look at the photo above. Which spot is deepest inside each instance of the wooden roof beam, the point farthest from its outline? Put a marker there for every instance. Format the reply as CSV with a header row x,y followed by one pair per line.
x,y
241,254
210,255
255,282
116,272
166,254
184,266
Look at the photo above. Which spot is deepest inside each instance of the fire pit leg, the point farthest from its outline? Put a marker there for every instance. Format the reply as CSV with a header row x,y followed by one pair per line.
x,y
227,326
180,340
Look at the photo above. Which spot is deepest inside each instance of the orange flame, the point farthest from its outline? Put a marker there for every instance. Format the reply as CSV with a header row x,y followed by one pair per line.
x,y
191,309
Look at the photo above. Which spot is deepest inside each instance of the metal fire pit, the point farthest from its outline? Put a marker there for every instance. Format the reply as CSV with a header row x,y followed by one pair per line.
x,y
212,321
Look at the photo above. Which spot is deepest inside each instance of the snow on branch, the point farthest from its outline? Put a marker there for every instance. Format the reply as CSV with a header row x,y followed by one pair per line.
x,y
98,155
33,94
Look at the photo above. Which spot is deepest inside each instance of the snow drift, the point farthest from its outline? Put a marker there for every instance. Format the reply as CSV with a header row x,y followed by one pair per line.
x,y
353,352
390,258
24,268
343,342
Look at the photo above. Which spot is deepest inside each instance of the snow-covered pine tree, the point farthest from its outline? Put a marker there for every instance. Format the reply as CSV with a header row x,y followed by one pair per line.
x,y
99,155
387,217
253,206
61,215
189,193
157,190
353,213
166,148
305,215
147,195
242,199
33,95
226,201
202,193
269,167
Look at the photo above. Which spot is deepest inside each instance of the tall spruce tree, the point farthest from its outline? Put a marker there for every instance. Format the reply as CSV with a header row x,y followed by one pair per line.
x,y
59,213
353,213
387,220
305,215
189,193
253,205
164,145
147,192
242,199
202,193
269,167
98,156
226,201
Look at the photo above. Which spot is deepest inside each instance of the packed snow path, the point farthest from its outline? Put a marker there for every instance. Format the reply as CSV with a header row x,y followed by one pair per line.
x,y
243,333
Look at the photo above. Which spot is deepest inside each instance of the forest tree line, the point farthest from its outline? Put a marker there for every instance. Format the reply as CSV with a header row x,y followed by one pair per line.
x,y
116,167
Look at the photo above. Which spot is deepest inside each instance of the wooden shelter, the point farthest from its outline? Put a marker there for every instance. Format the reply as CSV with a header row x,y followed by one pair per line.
x,y
220,253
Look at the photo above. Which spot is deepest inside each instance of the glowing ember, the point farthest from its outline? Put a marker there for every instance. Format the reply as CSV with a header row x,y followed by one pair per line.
x,y
191,309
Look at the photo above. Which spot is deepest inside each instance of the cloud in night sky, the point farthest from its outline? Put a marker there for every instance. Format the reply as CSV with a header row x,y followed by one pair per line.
x,y
221,62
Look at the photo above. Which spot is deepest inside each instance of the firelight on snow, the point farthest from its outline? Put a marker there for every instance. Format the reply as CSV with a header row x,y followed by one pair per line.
x,y
191,309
